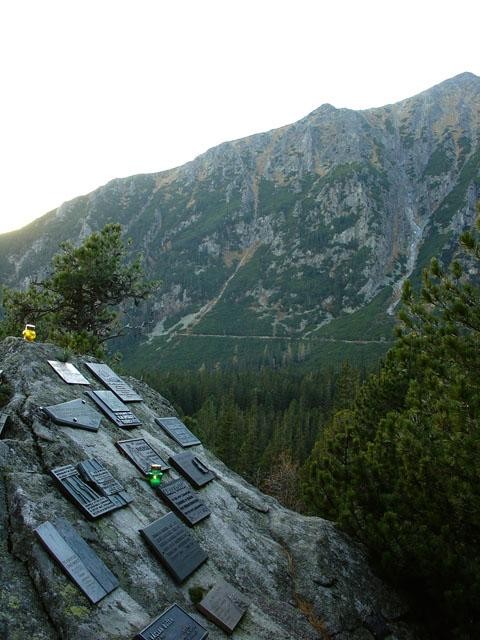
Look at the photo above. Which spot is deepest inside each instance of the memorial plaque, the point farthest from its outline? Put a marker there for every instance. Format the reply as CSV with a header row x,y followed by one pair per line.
x,y
100,478
141,454
224,605
184,501
68,372
111,380
114,409
3,422
75,413
91,504
173,624
175,546
190,466
178,431
77,559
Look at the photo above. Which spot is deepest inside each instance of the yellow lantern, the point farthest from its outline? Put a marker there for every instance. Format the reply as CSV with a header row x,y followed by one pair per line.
x,y
29,333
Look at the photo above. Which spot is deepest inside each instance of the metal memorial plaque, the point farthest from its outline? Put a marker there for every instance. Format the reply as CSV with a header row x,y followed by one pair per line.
x,y
224,605
75,413
184,501
141,454
111,380
3,422
68,372
178,431
91,504
114,409
173,624
100,478
175,546
77,559
192,468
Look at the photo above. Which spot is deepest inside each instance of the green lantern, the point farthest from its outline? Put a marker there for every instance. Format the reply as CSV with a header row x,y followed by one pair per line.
x,y
155,475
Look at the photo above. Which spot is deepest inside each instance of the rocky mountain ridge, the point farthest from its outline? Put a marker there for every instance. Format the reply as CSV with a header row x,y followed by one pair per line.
x,y
302,577
282,234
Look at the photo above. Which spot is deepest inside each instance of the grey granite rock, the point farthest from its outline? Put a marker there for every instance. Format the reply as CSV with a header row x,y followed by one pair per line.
x,y
304,578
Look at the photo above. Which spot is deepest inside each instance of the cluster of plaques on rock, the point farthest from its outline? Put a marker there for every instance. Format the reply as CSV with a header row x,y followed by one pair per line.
x,y
68,372
111,380
224,605
77,559
92,503
142,454
185,502
173,624
192,468
175,546
74,413
178,431
114,409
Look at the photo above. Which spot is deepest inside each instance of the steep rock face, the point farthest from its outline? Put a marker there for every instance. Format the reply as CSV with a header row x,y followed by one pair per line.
x,y
280,233
304,578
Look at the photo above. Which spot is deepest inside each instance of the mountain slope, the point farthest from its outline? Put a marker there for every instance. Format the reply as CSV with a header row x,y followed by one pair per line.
x,y
280,234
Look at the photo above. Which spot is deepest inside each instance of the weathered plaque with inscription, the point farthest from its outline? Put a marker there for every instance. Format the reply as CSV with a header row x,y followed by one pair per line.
x,y
68,372
75,413
175,546
184,501
100,478
142,454
111,380
77,559
114,409
192,468
3,422
173,624
178,431
91,504
224,605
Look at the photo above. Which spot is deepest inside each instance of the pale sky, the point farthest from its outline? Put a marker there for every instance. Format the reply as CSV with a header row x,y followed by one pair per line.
x,y
99,89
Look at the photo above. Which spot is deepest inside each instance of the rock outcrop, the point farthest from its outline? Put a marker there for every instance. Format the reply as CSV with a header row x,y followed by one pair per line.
x,y
304,578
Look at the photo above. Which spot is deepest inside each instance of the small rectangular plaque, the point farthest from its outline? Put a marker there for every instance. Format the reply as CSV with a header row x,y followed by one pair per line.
x,y
77,559
111,380
114,409
3,422
175,546
184,501
141,454
173,624
74,413
68,372
91,504
190,466
100,478
178,431
224,605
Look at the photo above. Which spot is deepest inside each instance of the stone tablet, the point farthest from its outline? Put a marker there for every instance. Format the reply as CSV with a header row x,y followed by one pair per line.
x,y
77,559
173,624
75,413
175,546
178,431
114,409
184,501
3,422
192,468
68,372
91,504
113,382
224,605
100,478
141,454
